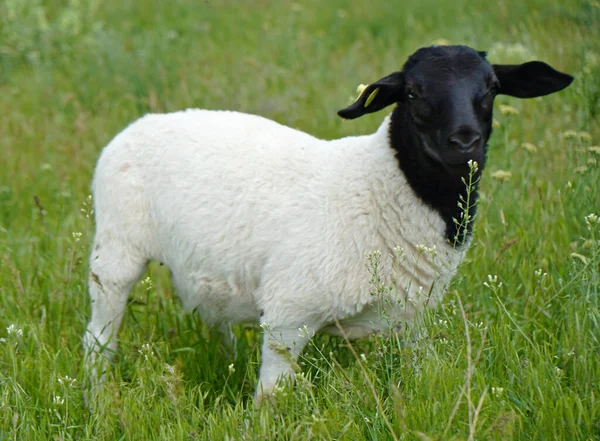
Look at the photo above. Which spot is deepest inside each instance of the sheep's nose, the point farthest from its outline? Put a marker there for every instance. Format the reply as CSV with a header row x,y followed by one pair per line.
x,y
464,139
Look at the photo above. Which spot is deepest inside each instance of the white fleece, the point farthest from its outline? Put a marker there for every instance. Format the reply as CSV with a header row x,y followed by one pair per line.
x,y
258,221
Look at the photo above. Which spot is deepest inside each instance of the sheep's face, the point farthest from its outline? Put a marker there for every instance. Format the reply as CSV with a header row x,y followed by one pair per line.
x,y
449,94
445,96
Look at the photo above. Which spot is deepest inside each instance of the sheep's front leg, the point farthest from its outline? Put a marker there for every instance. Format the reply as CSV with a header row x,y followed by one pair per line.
x,y
280,351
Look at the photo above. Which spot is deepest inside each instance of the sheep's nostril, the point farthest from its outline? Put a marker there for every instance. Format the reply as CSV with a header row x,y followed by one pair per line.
x,y
464,140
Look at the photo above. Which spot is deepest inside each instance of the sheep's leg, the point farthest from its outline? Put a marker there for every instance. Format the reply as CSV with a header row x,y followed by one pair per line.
x,y
114,269
228,340
280,351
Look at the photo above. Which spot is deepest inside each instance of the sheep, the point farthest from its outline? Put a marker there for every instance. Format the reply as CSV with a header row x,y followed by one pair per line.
x,y
261,222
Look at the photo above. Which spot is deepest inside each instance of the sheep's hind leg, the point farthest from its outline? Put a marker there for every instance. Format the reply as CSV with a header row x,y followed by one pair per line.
x,y
114,269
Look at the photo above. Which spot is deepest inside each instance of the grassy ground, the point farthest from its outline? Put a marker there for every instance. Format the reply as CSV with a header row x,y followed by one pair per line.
x,y
512,354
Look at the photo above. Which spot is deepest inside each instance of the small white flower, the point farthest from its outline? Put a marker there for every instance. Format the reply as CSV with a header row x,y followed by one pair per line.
x,y
432,251
399,252
492,283
58,400
363,357
280,391
508,110
497,391
13,330
570,134
170,369
77,235
592,219
530,147
147,282
373,255
66,380
452,306
88,207
473,166
304,332
502,175
581,136
145,350
584,136
231,368
302,382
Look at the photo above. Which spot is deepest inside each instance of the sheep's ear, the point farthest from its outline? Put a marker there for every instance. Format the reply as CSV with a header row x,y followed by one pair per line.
x,y
530,80
376,96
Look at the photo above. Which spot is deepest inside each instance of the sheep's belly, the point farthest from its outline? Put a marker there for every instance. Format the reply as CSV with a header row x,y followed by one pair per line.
x,y
373,319
216,299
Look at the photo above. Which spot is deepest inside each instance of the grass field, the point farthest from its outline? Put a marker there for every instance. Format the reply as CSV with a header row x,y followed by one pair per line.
x,y
512,354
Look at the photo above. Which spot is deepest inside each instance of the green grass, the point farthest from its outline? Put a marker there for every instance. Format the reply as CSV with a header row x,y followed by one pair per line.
x,y
74,73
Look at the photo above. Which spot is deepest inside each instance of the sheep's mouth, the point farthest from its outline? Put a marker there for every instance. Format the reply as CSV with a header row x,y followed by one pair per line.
x,y
459,160
453,157
450,160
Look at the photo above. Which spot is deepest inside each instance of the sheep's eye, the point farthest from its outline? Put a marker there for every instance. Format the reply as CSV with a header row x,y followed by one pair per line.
x,y
493,90
411,95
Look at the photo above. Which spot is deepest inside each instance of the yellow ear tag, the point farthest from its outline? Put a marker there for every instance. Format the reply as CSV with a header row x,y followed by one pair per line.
x,y
359,90
371,97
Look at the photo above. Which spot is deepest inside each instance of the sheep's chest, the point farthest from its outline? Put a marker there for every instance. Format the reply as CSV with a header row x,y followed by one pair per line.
x,y
400,282
404,289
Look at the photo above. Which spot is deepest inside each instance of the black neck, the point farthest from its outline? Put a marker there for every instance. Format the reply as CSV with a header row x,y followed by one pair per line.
x,y
441,189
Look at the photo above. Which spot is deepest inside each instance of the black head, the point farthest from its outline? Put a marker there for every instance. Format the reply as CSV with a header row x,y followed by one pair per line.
x,y
448,93
443,118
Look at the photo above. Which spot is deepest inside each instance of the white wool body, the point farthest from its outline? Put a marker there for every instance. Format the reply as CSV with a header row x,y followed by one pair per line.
x,y
258,221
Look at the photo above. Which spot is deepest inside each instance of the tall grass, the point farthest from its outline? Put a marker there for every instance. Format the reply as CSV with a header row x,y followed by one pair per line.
x,y
513,352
